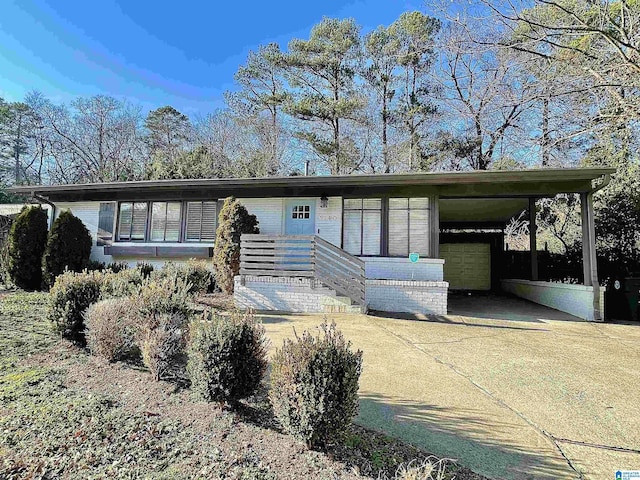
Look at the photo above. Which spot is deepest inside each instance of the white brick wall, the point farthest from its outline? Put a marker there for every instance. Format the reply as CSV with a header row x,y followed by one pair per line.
x,y
576,300
297,295
329,221
417,297
269,212
385,268
288,294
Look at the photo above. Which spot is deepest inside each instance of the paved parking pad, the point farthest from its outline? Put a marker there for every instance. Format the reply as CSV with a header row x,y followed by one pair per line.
x,y
526,398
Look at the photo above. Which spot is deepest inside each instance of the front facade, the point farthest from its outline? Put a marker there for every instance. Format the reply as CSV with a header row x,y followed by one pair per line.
x,y
413,236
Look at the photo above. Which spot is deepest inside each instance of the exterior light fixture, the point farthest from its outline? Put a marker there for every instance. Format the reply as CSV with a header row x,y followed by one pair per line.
x,y
324,201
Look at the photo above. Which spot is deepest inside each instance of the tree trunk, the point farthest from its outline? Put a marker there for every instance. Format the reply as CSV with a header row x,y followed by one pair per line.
x,y
16,150
545,130
385,116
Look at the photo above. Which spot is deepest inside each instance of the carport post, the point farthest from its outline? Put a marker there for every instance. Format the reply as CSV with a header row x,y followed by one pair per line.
x,y
589,259
533,239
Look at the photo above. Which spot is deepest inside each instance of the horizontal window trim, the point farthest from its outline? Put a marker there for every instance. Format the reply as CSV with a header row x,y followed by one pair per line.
x,y
158,251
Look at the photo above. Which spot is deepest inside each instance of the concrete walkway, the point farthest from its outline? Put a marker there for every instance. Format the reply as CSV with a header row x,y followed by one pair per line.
x,y
525,398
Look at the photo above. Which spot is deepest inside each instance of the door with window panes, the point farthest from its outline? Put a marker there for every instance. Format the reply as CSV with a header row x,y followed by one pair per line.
x,y
300,217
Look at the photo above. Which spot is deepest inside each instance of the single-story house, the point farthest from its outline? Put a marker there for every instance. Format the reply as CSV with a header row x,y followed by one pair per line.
x,y
389,242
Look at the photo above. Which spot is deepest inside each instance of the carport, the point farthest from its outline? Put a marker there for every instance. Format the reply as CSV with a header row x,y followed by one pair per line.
x,y
473,217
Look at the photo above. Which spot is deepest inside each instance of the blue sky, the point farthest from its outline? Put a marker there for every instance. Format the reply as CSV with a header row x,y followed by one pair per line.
x,y
180,53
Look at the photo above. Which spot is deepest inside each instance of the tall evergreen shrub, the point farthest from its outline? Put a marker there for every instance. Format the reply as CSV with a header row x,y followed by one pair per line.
x,y
68,247
233,221
27,240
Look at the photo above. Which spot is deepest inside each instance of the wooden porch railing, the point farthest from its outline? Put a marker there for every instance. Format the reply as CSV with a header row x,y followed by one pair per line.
x,y
303,256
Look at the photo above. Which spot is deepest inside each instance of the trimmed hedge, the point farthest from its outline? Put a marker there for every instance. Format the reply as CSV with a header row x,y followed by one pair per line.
x,y
314,386
227,357
27,240
111,329
68,247
71,294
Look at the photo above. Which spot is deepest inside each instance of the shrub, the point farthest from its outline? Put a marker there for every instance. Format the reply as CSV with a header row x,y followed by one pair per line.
x,y
27,240
161,339
314,385
95,266
111,329
121,284
233,221
71,294
117,267
196,273
162,310
146,269
168,295
5,277
68,247
227,357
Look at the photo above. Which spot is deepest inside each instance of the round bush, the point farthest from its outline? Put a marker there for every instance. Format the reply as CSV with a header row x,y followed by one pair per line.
x,y
27,240
71,294
68,247
314,386
110,329
227,357
161,308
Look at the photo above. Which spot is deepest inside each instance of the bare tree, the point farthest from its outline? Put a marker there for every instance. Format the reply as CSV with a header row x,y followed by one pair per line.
x,y
98,139
486,97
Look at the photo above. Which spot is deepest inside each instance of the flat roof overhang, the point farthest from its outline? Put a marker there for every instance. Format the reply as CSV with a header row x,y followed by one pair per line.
x,y
472,184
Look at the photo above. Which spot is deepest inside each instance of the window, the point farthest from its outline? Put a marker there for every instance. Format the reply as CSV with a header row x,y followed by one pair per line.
x,y
106,223
133,221
201,221
300,212
362,226
408,226
165,221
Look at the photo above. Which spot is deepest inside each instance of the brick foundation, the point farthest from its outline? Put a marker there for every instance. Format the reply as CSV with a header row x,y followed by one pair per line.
x,y
289,294
418,297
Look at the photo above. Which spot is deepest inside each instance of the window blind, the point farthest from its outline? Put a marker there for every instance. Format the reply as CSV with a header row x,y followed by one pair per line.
x,y
165,221
362,226
201,221
133,221
408,226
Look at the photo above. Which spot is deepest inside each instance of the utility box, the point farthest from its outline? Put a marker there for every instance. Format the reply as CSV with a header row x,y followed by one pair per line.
x,y
622,299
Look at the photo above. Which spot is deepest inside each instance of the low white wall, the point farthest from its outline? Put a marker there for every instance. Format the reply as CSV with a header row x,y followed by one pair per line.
x,y
299,295
288,294
417,297
576,300
391,268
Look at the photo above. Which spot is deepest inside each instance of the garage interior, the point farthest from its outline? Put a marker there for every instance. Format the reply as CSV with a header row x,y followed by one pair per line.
x,y
472,240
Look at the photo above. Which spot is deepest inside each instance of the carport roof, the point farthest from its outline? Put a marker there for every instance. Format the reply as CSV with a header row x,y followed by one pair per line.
x,y
520,183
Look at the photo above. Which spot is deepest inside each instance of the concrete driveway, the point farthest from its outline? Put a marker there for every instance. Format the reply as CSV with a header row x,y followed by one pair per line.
x,y
525,395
